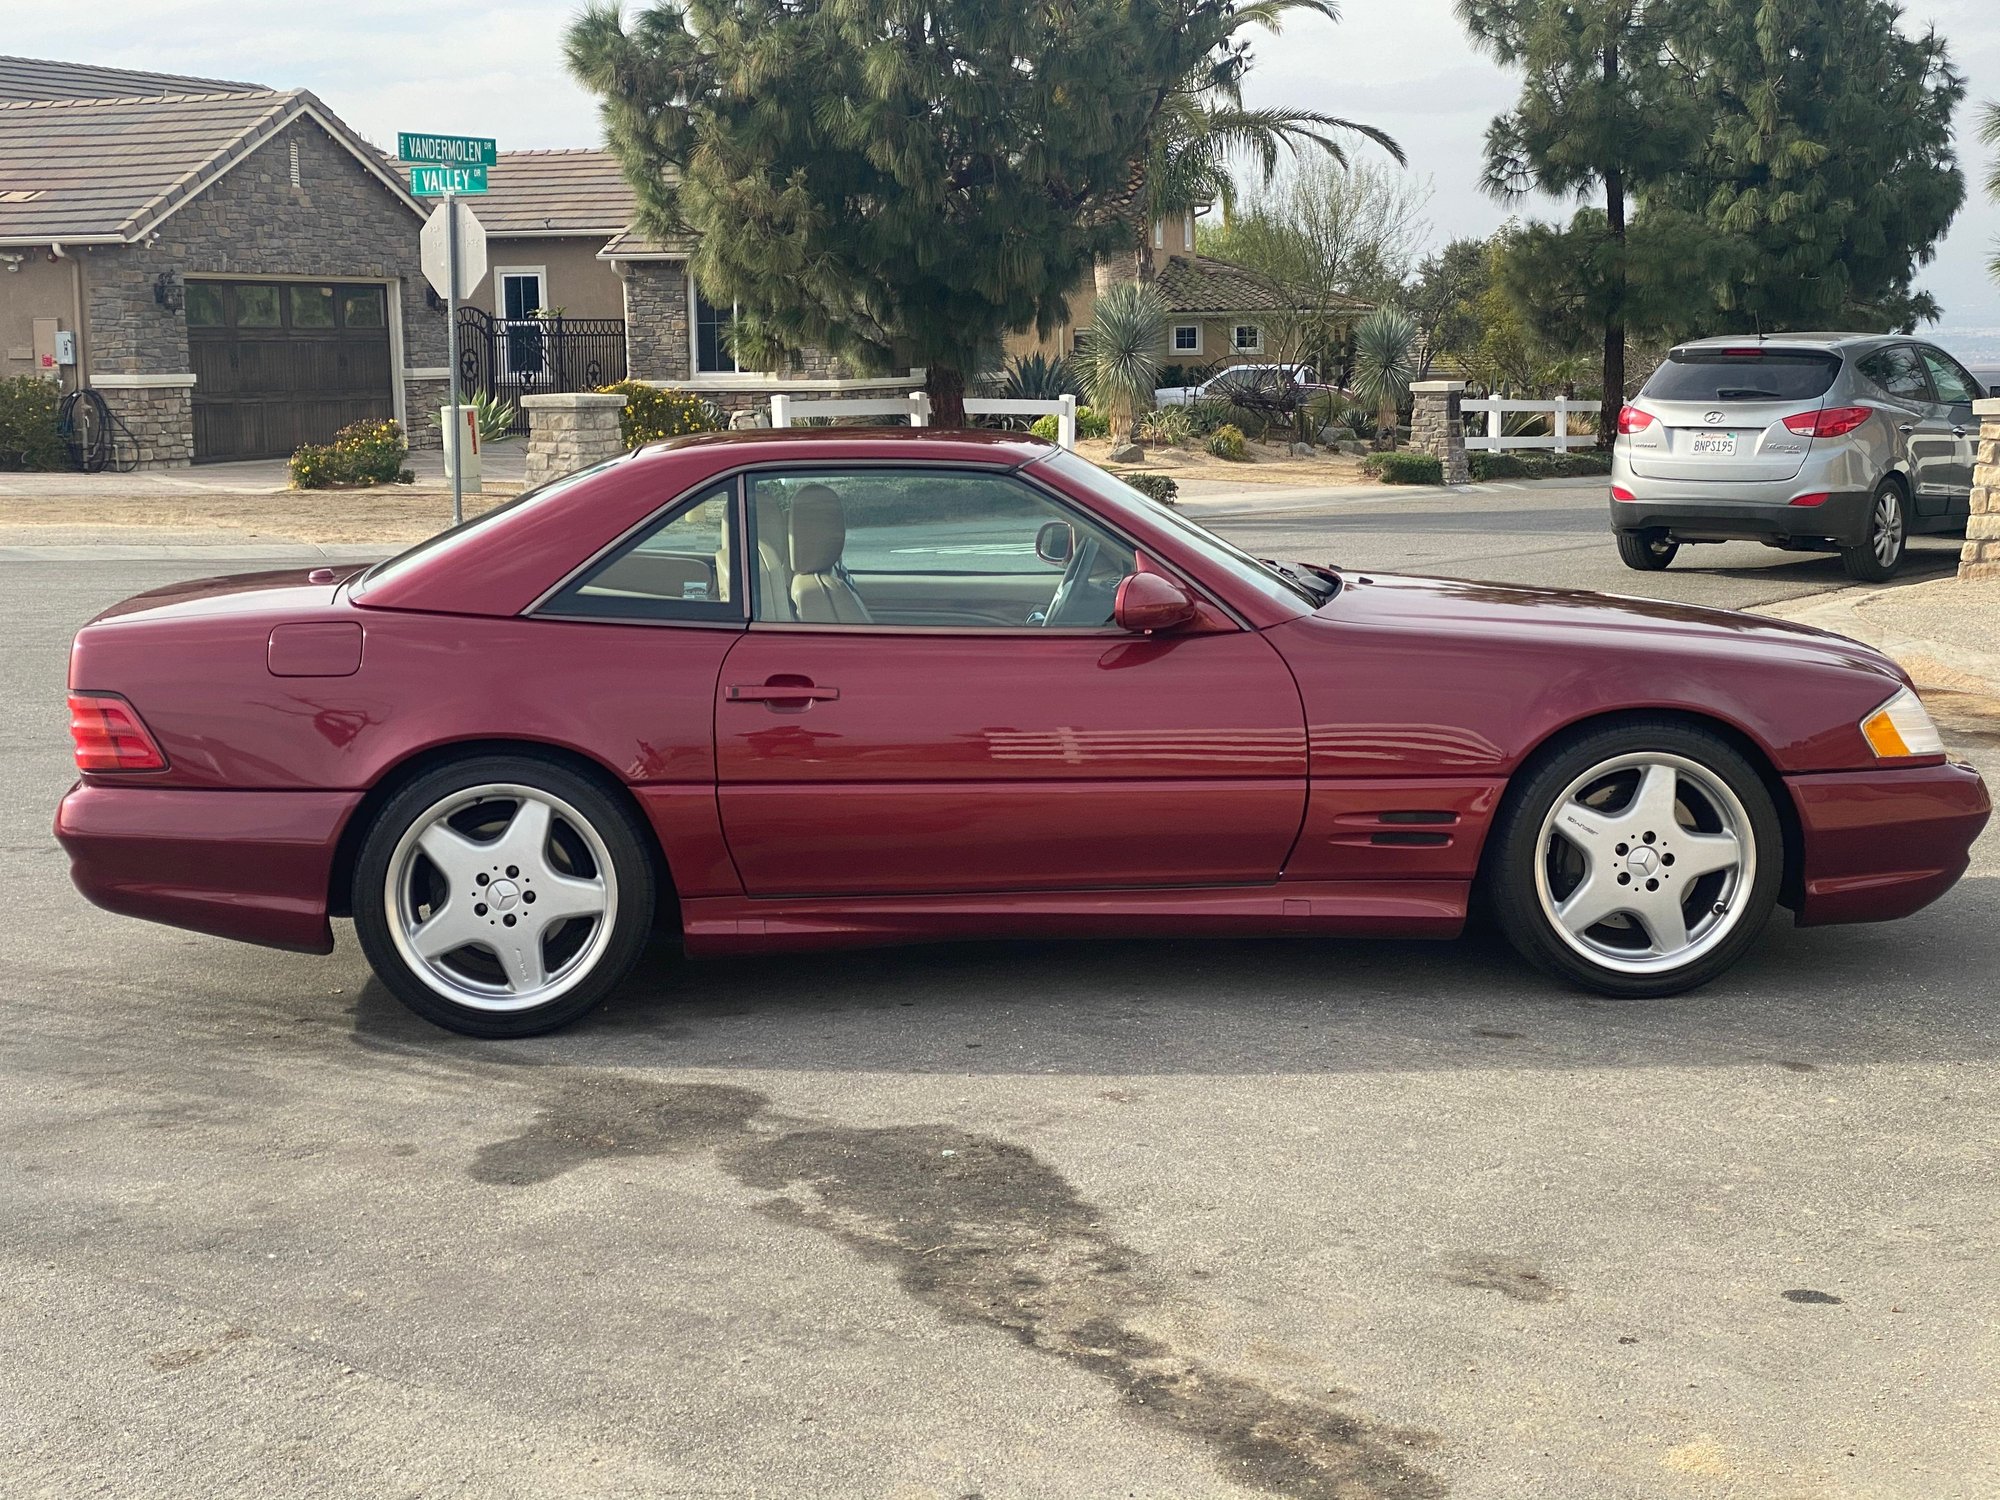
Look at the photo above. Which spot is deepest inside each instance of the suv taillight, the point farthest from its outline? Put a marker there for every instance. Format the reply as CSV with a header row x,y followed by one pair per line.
x,y
108,735
1831,421
1631,419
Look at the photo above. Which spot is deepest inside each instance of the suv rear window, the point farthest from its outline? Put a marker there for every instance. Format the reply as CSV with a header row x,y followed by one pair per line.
x,y
1755,375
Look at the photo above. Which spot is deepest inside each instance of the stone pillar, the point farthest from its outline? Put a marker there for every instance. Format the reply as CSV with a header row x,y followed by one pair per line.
x,y
570,431
158,416
656,320
1981,557
1437,425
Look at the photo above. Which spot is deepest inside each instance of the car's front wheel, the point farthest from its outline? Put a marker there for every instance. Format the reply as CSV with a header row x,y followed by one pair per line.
x,y
1648,551
1880,553
1641,858
503,895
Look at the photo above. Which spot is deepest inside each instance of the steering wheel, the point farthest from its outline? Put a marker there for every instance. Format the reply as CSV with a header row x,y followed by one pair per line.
x,y
1078,601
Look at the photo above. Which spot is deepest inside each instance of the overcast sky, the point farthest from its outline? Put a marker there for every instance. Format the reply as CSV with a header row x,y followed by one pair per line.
x,y
496,69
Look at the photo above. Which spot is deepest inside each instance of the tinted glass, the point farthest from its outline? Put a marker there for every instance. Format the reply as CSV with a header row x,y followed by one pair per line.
x,y
680,569
256,307
1953,386
1763,375
361,307
312,306
929,547
204,305
1898,372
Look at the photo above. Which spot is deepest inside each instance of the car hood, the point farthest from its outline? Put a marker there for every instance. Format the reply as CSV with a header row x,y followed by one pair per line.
x,y
1490,610
238,593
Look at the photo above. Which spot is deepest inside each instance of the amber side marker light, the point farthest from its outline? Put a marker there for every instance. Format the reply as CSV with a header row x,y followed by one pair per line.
x,y
1902,728
108,735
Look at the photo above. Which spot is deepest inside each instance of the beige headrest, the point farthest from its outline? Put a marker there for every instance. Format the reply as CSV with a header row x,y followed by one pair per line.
x,y
768,511
819,530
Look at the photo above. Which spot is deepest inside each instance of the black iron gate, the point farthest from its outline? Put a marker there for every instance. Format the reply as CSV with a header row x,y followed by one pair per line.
x,y
508,358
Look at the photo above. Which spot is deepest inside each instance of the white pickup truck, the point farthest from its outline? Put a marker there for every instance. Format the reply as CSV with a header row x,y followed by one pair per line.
x,y
1222,385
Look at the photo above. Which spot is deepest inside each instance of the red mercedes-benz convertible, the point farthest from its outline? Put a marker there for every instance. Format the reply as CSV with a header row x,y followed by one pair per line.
x,y
797,689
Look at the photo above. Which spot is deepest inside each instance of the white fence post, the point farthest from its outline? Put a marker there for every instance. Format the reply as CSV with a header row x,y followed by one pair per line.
x,y
1562,424
1493,426
1066,421
781,411
920,409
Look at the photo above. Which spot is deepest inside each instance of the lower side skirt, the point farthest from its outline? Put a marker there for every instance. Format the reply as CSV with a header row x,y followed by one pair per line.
x,y
718,925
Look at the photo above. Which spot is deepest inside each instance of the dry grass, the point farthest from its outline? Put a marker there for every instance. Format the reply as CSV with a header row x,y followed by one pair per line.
x,y
389,514
1266,463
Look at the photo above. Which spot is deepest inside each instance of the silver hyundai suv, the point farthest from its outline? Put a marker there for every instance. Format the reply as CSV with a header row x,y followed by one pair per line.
x,y
1822,442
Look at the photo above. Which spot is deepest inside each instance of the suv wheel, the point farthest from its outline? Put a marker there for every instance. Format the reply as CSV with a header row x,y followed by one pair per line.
x,y
1648,551
1878,557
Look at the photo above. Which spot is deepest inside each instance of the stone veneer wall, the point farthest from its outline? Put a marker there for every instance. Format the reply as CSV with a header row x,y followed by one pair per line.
x,y
340,223
656,319
1437,425
570,431
159,421
1981,555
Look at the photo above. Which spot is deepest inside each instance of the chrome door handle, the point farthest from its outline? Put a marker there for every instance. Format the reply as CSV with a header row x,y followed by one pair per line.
x,y
1907,428
782,692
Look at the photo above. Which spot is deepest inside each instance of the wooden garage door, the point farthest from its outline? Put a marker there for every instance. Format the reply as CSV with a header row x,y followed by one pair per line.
x,y
278,364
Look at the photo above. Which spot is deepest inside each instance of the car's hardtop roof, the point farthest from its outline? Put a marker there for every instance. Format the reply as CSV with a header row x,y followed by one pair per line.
x,y
970,445
1819,343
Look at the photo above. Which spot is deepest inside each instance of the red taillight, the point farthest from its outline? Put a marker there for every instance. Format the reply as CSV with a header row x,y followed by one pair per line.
x,y
1620,493
108,735
1819,499
1831,421
1631,419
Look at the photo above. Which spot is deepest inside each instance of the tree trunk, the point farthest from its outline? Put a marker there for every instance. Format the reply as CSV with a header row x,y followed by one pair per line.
x,y
945,385
1612,399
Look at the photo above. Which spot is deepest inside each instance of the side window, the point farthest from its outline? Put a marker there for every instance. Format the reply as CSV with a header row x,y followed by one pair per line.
x,y
1954,387
681,568
1898,373
916,547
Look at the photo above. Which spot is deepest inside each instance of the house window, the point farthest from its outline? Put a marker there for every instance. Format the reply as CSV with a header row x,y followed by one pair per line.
x,y
712,354
522,293
1187,338
1159,234
1249,339
1187,230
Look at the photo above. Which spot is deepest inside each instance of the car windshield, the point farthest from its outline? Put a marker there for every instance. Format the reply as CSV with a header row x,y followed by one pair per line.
x,y
452,536
1743,375
1294,585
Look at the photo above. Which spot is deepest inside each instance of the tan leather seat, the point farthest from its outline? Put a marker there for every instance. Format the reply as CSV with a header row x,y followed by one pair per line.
x,y
821,593
774,557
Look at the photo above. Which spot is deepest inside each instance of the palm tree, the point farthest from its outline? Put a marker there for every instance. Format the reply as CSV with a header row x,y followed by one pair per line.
x,y
1120,364
1203,131
1989,134
1385,363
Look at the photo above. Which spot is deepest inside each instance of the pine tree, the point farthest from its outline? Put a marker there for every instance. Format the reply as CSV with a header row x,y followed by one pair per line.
x,y
1600,110
890,180
1827,161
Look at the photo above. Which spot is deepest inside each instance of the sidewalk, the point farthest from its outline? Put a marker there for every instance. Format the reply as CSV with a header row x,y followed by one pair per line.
x,y
1946,633
503,465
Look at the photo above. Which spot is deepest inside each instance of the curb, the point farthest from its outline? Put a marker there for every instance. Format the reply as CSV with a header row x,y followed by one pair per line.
x,y
1931,663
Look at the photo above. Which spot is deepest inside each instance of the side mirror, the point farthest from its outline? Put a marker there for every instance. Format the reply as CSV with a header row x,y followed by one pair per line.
x,y
1055,543
1151,601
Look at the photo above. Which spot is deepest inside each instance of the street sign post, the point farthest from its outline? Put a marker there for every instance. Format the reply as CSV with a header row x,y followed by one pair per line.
x,y
454,250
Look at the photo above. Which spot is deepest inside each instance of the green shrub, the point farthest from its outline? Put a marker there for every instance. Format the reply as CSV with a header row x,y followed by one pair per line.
x,y
1485,466
653,412
1538,465
1204,417
1159,487
1169,427
1404,468
1047,427
361,453
1089,424
1227,442
29,435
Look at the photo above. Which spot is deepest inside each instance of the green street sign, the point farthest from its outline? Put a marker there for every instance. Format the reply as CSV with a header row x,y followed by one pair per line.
x,y
447,150
435,182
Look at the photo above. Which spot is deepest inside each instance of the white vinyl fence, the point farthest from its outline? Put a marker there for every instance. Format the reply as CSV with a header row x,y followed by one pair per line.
x,y
1495,441
916,406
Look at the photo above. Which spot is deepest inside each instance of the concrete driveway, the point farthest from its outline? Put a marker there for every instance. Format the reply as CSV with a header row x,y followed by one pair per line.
x,y
1039,1220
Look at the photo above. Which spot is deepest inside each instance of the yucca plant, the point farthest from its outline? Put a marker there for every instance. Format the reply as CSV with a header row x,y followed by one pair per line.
x,y
1036,377
1120,363
496,418
1385,364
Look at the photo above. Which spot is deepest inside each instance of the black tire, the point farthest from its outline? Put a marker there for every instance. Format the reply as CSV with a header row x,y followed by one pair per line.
x,y
625,841
1881,552
1648,551
1516,847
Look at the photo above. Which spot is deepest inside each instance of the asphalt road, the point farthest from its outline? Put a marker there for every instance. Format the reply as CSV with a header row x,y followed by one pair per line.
x,y
1008,1220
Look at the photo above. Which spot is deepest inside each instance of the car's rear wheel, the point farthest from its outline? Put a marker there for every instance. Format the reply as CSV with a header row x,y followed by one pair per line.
x,y
1641,858
503,895
1880,553
1649,550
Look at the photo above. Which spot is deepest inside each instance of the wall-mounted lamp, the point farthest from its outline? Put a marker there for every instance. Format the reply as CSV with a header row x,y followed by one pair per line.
x,y
167,290
432,300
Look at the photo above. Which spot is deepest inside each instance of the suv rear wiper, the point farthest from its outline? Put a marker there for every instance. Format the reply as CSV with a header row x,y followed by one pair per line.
x,y
1730,393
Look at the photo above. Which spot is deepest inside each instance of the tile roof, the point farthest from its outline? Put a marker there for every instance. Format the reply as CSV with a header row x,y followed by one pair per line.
x,y
109,169
555,192
631,244
1203,284
41,78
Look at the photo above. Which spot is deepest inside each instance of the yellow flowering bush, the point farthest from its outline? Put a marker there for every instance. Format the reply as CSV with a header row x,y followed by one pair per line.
x,y
361,453
652,412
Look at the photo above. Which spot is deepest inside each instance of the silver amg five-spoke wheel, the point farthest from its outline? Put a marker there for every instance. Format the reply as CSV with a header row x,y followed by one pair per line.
x,y
1643,856
503,895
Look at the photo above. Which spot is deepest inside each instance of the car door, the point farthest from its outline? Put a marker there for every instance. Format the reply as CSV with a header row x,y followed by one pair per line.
x,y
1955,390
932,698
1898,372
